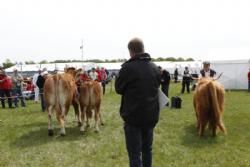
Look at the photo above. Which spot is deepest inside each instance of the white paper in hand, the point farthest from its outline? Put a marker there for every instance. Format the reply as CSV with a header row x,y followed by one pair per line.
x,y
163,99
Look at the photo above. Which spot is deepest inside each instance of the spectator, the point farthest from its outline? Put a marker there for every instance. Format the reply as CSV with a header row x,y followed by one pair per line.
x,y
93,74
176,75
103,78
165,81
138,82
5,89
34,80
40,83
206,71
186,81
248,80
17,88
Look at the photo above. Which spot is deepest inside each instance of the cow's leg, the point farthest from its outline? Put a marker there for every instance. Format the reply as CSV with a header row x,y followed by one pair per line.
x,y
222,127
77,112
83,111
202,128
101,121
50,128
88,114
60,118
97,116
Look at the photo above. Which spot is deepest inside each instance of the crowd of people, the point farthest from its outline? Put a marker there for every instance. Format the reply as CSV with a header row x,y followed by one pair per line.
x,y
12,87
16,89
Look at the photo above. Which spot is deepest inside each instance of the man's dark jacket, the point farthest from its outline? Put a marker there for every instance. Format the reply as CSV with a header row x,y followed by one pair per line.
x,y
138,83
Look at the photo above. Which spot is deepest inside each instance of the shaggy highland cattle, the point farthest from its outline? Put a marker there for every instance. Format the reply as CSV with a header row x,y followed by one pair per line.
x,y
209,105
90,95
59,93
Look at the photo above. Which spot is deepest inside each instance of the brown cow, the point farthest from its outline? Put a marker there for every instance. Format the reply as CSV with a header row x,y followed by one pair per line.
x,y
59,93
90,99
209,105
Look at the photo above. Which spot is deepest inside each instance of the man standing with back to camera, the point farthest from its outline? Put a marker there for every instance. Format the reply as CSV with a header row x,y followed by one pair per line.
x,y
138,83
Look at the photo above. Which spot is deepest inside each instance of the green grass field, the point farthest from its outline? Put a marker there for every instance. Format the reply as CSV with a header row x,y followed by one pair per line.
x,y
24,140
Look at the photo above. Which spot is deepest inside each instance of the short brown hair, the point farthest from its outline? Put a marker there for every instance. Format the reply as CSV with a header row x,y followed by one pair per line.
x,y
136,45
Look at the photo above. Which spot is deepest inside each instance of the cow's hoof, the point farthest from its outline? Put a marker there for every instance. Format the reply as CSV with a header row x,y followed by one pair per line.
x,y
96,131
79,124
87,126
102,124
50,132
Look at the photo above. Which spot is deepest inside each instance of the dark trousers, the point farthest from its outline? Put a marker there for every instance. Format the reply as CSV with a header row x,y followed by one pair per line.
x,y
139,142
164,89
18,95
42,99
103,86
3,93
185,84
175,79
248,86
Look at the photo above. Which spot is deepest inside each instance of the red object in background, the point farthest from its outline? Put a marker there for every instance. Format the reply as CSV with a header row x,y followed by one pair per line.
x,y
30,87
249,76
6,84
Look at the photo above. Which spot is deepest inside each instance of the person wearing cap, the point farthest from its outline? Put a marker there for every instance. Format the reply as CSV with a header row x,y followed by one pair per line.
x,y
40,83
206,71
248,75
5,89
17,87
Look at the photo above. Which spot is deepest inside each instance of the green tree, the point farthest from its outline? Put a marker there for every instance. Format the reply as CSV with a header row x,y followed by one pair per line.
x,y
180,59
30,62
170,59
43,62
7,64
190,59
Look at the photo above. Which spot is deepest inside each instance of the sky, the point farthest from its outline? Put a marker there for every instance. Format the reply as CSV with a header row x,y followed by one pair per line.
x,y
35,30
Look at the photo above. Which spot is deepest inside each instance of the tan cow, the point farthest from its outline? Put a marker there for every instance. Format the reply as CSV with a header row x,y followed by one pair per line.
x,y
59,94
90,99
209,105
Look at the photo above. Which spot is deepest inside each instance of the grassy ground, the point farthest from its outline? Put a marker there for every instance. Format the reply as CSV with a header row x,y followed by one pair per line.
x,y
24,140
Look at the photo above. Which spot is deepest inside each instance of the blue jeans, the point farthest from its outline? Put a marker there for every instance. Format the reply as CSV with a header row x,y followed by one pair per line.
x,y
17,92
139,145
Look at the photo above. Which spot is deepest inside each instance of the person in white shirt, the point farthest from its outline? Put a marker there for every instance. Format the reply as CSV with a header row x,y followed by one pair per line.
x,y
36,87
93,74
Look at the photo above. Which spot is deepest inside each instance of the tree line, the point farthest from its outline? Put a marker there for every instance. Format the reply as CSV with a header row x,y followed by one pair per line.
x,y
7,63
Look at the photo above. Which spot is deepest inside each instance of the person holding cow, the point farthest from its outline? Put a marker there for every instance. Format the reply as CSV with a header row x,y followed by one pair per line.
x,y
138,83
206,71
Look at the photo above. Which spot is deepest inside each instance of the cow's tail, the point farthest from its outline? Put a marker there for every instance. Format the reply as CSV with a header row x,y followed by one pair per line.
x,y
56,86
214,109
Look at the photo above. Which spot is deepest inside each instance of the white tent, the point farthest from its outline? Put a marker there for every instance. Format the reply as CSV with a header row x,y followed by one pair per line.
x,y
234,73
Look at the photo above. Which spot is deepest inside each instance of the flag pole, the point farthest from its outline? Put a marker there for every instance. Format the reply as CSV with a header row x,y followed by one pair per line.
x,y
82,51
